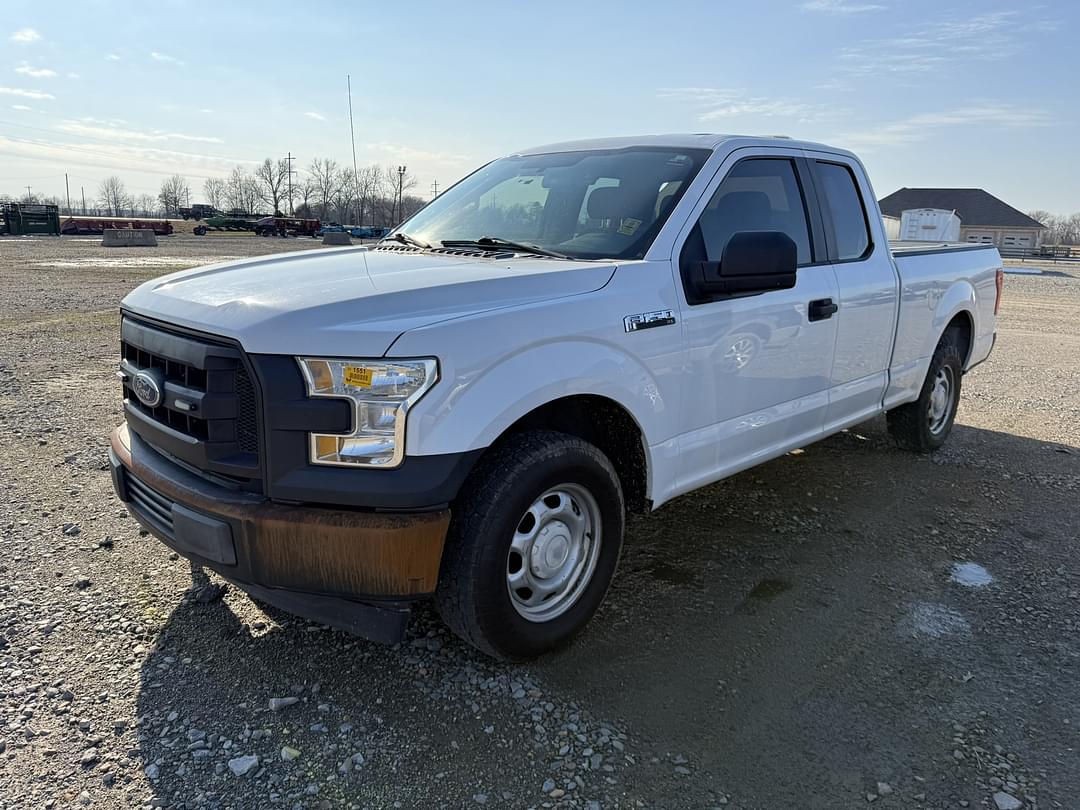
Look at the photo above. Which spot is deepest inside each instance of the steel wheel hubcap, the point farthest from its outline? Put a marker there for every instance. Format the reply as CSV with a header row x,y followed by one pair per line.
x,y
941,399
553,552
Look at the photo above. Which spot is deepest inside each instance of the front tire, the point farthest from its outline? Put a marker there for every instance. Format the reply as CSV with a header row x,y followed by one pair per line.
x,y
533,544
925,424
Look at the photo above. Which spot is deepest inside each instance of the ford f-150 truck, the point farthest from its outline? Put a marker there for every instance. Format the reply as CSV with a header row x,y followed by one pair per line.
x,y
466,410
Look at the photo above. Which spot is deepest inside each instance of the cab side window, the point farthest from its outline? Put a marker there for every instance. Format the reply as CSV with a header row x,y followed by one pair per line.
x,y
758,194
850,229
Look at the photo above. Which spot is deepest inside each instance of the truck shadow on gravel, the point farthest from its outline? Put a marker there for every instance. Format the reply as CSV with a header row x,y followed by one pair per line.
x,y
791,637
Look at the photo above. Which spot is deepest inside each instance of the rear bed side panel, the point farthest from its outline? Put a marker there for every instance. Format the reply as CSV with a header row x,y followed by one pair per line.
x,y
934,288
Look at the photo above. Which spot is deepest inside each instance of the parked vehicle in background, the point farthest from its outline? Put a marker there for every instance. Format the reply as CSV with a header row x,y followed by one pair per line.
x,y
286,226
368,232
466,410
199,211
355,231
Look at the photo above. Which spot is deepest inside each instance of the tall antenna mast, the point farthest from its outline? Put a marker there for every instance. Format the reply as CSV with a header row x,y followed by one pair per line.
x,y
352,137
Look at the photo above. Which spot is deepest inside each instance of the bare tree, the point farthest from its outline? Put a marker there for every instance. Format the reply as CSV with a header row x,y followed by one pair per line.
x,y
306,192
113,196
215,190
146,205
242,191
272,177
324,174
175,192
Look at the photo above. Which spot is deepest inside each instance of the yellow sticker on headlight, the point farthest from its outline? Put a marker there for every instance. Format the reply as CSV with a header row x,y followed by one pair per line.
x,y
357,376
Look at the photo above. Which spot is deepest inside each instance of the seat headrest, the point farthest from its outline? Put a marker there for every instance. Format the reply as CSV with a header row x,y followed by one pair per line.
x,y
605,203
746,205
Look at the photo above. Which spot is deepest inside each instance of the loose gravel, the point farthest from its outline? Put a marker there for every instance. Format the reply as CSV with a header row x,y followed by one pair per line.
x,y
847,625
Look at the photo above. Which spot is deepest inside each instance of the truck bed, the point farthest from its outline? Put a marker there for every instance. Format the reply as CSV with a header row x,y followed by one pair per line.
x,y
929,248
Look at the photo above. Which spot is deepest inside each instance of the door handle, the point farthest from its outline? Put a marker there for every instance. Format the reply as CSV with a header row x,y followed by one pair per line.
x,y
821,309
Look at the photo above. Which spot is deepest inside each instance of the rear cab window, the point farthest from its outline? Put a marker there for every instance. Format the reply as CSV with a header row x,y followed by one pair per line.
x,y
839,192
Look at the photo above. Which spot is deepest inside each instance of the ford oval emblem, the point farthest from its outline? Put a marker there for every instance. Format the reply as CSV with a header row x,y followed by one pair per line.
x,y
147,385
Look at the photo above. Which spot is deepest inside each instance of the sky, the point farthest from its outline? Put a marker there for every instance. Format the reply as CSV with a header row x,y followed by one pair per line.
x,y
928,93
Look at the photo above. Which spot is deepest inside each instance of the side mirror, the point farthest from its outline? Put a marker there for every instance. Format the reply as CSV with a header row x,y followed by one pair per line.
x,y
753,261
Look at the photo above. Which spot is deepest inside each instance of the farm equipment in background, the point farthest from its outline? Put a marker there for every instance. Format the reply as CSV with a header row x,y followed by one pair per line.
x,y
287,226
90,226
225,222
199,211
23,218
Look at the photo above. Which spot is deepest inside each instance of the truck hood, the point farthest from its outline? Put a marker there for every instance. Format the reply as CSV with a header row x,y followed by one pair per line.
x,y
351,302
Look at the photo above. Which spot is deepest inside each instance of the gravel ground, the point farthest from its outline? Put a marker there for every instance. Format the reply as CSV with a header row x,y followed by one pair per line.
x,y
846,625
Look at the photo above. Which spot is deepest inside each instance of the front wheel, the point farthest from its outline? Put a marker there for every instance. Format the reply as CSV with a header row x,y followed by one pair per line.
x,y
533,544
925,424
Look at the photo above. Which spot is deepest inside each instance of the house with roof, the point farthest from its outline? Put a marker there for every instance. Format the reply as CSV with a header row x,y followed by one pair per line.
x,y
983,217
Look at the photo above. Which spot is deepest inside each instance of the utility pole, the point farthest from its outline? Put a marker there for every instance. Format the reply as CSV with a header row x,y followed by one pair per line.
x,y
288,162
434,189
67,193
28,197
400,183
83,190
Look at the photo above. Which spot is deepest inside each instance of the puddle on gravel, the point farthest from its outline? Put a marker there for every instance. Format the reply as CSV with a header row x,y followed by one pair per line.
x,y
970,575
936,621
768,589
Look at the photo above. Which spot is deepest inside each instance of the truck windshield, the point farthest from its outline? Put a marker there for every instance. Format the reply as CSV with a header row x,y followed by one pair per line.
x,y
596,204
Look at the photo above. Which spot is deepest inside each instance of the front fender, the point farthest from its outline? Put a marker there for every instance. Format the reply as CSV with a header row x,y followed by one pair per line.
x,y
471,406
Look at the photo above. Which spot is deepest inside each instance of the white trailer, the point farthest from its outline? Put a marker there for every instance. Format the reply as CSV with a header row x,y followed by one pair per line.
x,y
929,225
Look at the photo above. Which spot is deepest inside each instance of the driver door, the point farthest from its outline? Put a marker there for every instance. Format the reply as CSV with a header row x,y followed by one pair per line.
x,y
759,364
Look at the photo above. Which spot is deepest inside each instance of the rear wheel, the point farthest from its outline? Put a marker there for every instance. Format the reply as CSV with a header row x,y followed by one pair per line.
x,y
925,424
533,545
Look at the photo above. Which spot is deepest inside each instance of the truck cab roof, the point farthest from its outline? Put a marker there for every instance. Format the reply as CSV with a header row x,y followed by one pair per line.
x,y
700,140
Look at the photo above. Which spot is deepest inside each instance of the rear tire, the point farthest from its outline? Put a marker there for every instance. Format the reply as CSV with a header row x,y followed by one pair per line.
x,y
533,544
925,424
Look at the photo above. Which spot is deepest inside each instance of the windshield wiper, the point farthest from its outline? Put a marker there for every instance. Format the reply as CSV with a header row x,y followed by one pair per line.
x,y
496,242
406,239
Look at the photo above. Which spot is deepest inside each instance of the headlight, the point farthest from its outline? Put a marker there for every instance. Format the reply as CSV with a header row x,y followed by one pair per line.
x,y
382,391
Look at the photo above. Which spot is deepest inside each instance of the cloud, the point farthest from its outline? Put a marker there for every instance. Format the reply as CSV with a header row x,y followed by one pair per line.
x,y
921,127
719,103
206,110
841,6
111,57
936,44
25,35
119,157
316,116
403,152
22,108
37,73
18,91
157,56
108,130
74,76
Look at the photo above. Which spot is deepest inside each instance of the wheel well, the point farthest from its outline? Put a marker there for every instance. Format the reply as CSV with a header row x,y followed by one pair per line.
x,y
605,424
961,327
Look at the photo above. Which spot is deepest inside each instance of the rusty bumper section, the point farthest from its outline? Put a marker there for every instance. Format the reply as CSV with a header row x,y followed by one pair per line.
x,y
354,570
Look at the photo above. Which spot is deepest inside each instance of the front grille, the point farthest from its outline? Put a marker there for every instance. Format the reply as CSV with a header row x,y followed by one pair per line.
x,y
208,414
176,372
152,506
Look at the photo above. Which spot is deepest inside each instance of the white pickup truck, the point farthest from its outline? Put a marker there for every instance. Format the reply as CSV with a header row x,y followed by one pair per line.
x,y
466,409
